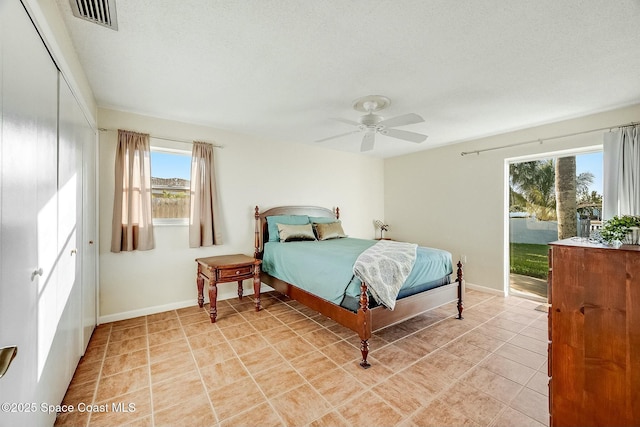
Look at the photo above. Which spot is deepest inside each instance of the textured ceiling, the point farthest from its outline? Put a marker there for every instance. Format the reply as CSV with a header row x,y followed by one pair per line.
x,y
283,69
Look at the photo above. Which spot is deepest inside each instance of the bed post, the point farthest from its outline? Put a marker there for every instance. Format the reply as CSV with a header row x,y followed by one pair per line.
x,y
364,325
459,280
337,212
256,215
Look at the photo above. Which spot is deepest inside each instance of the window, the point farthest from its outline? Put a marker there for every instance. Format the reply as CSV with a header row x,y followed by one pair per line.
x,y
170,180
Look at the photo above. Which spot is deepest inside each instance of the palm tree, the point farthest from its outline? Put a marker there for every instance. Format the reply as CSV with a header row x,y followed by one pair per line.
x,y
550,190
566,203
583,181
535,182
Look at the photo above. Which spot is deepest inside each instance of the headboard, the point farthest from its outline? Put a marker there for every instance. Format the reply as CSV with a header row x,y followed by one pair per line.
x,y
262,231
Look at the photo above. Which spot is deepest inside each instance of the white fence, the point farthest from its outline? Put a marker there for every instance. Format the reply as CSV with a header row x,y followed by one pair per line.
x,y
530,230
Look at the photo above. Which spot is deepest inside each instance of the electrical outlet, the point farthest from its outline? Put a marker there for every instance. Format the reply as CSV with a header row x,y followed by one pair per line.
x,y
463,258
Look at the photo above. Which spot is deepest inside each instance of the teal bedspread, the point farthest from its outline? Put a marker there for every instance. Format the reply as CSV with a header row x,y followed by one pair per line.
x,y
325,268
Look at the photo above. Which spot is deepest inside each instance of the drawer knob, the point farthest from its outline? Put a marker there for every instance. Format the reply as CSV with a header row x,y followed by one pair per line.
x,y
237,272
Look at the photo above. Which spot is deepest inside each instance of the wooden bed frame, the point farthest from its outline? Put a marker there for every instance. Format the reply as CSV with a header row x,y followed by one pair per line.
x,y
366,320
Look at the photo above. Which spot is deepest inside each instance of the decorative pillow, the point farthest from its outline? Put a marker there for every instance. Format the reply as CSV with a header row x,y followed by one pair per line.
x,y
322,219
273,221
328,231
291,233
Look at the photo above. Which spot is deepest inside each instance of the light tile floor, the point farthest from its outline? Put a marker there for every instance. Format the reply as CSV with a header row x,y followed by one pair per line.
x,y
288,366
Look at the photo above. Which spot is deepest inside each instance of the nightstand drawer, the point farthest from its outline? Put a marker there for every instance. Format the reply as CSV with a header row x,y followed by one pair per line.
x,y
231,273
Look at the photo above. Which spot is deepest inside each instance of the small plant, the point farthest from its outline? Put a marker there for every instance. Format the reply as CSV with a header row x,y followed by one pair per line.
x,y
618,227
381,226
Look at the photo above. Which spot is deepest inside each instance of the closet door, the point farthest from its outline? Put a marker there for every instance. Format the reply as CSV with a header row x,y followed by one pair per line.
x,y
90,235
69,268
28,209
77,214
77,222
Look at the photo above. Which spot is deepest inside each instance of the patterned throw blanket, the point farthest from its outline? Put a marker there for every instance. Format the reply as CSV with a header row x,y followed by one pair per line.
x,y
384,267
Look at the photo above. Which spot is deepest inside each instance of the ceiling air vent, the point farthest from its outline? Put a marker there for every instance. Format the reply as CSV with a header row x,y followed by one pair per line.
x,y
101,12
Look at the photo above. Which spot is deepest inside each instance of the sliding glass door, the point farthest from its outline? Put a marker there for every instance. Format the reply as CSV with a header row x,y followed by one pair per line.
x,y
550,198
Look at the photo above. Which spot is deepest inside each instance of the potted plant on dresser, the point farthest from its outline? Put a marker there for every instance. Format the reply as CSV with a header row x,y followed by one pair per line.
x,y
621,230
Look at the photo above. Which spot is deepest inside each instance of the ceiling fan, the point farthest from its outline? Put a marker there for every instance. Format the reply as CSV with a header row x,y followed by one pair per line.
x,y
371,123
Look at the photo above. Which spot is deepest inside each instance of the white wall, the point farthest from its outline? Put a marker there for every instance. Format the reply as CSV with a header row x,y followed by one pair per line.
x,y
251,171
442,199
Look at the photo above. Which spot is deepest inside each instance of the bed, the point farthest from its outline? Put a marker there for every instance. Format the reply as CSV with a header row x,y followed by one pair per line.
x,y
319,273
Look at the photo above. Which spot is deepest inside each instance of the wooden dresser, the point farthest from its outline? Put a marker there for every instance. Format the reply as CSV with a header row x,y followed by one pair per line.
x,y
594,334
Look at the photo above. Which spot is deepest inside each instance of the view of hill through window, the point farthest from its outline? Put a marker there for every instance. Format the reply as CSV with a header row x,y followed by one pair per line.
x,y
170,179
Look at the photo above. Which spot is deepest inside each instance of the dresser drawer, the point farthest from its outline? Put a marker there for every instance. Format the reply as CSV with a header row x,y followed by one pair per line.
x,y
234,273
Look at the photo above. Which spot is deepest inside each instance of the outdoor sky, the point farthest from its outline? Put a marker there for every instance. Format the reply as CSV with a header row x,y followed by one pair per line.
x,y
170,165
591,162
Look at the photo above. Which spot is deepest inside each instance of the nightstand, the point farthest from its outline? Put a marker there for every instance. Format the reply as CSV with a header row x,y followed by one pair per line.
x,y
224,269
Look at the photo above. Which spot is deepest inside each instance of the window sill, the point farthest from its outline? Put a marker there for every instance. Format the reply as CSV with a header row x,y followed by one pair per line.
x,y
168,222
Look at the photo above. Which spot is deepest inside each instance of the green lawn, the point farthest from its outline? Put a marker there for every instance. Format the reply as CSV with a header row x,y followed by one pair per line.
x,y
529,260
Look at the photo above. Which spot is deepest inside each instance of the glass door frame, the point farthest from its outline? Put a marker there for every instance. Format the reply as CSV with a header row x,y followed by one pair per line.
x,y
520,159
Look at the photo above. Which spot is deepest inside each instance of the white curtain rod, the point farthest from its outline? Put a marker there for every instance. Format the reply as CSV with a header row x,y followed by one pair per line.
x,y
164,138
541,140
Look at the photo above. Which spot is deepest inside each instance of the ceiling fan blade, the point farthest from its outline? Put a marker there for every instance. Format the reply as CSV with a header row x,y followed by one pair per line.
x,y
406,135
367,141
337,136
405,119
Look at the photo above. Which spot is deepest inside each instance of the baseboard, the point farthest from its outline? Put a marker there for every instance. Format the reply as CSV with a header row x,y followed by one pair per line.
x,y
228,294
485,289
